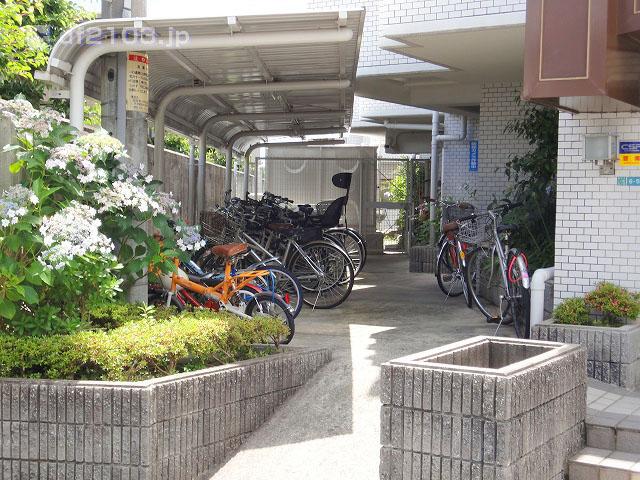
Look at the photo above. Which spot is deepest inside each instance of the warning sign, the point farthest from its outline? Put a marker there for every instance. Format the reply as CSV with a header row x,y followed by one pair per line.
x,y
629,154
137,82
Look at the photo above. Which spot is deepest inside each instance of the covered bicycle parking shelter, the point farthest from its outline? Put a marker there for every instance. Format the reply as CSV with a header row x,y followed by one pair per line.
x,y
228,82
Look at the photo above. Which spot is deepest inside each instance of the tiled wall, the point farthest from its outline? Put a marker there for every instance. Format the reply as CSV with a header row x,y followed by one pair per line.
x,y
403,11
497,108
598,221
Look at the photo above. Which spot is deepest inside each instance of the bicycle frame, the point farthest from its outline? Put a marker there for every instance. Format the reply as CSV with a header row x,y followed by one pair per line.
x,y
223,292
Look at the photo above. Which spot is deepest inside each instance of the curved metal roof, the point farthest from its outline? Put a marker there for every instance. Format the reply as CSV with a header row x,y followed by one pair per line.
x,y
170,69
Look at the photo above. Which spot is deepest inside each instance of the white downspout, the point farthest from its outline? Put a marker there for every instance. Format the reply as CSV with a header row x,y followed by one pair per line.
x,y
247,87
236,40
433,186
540,276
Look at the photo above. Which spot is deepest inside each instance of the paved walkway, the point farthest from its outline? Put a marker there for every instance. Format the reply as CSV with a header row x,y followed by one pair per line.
x,y
330,429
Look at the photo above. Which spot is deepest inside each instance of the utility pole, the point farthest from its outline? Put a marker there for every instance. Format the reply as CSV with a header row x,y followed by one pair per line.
x,y
128,126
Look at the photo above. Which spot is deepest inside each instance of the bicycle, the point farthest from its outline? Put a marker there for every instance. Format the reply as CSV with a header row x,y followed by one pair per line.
x,y
233,292
504,299
451,258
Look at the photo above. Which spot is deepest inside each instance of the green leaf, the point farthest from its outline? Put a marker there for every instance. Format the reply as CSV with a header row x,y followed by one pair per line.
x,y
30,295
15,167
7,309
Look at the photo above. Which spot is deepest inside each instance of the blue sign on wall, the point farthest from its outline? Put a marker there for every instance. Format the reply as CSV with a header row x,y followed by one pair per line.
x,y
473,156
629,181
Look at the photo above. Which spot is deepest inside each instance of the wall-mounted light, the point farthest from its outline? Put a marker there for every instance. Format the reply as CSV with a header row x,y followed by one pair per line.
x,y
601,150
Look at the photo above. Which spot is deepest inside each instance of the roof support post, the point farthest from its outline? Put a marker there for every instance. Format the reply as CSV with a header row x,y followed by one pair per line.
x,y
245,183
148,44
202,163
191,176
246,87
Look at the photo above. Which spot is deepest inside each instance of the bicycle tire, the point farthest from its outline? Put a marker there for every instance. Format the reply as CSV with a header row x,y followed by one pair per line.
x,y
272,300
444,269
520,305
477,279
335,286
290,292
353,244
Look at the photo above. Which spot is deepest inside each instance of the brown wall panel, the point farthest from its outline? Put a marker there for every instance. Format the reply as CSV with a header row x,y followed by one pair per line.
x,y
565,39
629,17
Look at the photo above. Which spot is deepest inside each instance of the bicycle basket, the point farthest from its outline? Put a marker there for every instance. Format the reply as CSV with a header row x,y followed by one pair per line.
x,y
220,227
452,213
475,231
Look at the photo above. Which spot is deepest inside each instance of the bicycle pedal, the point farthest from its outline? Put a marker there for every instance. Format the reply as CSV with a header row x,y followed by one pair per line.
x,y
493,320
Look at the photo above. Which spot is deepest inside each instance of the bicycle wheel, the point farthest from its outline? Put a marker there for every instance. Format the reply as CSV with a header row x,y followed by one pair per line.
x,y
484,280
352,244
448,276
285,284
520,297
325,273
271,305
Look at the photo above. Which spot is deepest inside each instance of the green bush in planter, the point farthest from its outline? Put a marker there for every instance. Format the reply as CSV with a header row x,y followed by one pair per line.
x,y
608,306
139,349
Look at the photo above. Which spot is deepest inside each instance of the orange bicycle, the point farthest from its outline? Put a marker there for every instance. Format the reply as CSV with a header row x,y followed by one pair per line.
x,y
234,292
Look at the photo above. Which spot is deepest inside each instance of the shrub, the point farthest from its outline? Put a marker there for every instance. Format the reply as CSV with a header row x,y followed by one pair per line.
x,y
139,349
572,311
613,302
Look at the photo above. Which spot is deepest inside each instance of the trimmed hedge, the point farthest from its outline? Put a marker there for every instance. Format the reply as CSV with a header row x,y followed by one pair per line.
x,y
149,347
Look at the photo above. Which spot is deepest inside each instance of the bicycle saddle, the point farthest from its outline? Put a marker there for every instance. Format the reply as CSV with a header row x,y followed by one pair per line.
x,y
509,227
230,250
450,227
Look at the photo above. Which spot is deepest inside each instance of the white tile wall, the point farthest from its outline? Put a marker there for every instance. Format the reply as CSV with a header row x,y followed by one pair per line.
x,y
370,53
498,106
403,11
598,222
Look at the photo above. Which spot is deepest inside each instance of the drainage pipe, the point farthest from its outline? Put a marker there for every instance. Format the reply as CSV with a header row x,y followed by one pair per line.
x,y
540,276
147,44
191,176
433,186
407,126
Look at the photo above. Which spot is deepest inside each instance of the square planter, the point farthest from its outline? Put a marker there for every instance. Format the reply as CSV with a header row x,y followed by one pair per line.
x,y
181,426
422,259
484,408
613,353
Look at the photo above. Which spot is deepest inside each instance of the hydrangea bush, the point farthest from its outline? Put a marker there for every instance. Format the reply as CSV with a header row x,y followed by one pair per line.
x,y
79,231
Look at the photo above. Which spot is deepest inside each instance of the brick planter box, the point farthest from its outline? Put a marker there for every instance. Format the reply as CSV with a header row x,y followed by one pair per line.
x,y
181,426
422,259
613,353
484,408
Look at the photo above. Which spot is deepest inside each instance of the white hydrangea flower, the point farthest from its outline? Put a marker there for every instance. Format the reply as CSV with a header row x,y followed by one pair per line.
x,y
124,195
61,157
71,233
26,118
189,238
14,204
100,143
167,203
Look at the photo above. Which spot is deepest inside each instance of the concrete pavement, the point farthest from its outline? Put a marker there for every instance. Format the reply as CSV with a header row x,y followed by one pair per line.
x,y
330,429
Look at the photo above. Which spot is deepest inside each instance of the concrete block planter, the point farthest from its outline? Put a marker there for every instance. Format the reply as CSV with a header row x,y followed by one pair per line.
x,y
484,408
181,426
422,259
613,353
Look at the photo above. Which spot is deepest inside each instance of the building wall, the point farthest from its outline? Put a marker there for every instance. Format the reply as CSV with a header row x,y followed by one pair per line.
x,y
498,107
402,11
598,221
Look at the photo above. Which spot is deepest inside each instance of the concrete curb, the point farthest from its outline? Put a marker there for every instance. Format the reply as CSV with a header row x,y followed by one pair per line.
x,y
180,426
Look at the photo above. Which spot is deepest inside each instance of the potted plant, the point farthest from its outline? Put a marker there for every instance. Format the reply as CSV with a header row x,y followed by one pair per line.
x,y
605,321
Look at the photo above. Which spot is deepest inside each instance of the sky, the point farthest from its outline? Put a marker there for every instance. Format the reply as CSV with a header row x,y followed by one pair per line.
x,y
209,8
